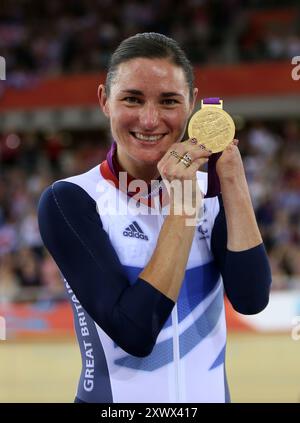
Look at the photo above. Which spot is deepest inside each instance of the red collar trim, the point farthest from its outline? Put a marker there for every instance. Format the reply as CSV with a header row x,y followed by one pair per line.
x,y
107,174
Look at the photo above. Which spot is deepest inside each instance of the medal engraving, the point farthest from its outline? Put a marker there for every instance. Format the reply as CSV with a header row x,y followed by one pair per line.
x,y
213,127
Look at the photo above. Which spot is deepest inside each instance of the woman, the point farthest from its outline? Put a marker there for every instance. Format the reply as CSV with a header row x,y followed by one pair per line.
x,y
146,284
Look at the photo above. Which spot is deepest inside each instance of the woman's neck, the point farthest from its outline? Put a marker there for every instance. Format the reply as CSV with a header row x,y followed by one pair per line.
x,y
142,171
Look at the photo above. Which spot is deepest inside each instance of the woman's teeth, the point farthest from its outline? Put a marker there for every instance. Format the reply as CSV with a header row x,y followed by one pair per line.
x,y
143,137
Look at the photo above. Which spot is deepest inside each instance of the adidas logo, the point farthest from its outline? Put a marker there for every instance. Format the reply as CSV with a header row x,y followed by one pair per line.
x,y
135,231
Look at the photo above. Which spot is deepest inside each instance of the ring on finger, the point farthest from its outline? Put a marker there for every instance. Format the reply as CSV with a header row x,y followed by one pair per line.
x,y
187,158
176,155
186,162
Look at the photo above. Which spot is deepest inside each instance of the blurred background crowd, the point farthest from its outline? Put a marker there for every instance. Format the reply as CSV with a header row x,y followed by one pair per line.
x,y
53,38
78,35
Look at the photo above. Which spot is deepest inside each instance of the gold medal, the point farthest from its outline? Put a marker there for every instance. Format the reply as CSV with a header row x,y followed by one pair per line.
x,y
212,127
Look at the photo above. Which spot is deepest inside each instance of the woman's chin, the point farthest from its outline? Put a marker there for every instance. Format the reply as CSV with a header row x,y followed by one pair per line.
x,y
149,158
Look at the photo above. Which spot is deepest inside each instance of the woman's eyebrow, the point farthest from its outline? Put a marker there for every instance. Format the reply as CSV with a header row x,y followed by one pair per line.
x,y
131,91
164,95
171,94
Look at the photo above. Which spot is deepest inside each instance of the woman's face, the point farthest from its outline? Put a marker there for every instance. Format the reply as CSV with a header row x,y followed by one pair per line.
x,y
148,108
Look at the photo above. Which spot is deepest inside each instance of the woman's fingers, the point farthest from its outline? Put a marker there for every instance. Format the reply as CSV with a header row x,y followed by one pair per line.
x,y
194,150
182,160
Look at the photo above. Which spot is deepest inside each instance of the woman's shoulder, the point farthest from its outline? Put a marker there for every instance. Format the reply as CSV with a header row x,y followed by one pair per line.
x,y
72,191
77,185
88,181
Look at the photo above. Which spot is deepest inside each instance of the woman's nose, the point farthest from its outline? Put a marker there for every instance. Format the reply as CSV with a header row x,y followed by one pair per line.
x,y
149,117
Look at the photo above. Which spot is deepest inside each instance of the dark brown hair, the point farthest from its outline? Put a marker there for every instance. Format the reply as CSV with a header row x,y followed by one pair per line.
x,y
153,46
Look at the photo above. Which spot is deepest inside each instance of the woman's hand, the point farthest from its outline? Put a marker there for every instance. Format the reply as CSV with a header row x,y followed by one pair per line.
x,y
229,166
242,228
180,179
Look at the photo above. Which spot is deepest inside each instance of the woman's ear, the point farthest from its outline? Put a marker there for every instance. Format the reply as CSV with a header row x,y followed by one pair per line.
x,y
193,102
103,100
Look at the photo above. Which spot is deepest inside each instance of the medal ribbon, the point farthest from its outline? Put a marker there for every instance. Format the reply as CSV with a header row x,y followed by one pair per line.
x,y
213,183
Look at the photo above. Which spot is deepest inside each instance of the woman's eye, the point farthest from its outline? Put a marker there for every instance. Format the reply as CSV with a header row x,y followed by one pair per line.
x,y
132,100
170,101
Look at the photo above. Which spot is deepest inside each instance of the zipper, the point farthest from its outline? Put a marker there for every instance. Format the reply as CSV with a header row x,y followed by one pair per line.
x,y
176,353
176,350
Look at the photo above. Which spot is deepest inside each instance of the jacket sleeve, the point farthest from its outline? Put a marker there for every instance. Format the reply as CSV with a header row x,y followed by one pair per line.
x,y
71,229
246,274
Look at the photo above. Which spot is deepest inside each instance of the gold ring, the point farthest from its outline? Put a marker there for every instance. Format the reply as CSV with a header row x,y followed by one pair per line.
x,y
188,158
175,154
185,162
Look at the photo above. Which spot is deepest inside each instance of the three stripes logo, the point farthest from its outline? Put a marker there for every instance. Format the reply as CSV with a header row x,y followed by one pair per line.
x,y
135,231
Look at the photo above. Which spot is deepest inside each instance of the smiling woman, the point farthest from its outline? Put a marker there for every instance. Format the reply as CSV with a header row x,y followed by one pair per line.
x,y
146,286
148,108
